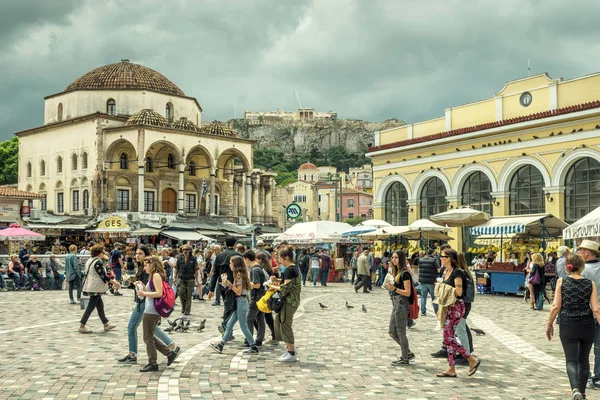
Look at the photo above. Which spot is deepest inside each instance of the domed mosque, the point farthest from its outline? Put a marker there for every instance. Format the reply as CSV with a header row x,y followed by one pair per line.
x,y
123,138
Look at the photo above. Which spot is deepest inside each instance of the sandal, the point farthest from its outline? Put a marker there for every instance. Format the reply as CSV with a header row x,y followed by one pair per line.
x,y
445,375
474,369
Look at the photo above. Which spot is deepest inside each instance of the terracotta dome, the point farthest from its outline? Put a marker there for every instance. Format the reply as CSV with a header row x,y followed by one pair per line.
x,y
185,124
218,128
124,75
307,165
147,117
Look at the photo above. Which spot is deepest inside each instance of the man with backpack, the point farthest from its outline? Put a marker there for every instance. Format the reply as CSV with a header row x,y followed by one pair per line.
x,y
221,266
258,276
302,262
186,271
325,265
116,265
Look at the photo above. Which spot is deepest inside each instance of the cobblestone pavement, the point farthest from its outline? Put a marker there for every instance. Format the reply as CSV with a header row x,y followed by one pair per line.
x,y
344,354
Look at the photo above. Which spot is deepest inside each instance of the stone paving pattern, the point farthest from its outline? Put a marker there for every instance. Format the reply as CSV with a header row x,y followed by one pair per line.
x,y
344,354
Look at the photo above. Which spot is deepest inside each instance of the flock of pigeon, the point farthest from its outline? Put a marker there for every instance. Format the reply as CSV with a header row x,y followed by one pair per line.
x,y
348,306
184,324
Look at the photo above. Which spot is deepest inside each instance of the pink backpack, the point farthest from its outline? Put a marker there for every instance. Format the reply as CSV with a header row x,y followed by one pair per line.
x,y
165,304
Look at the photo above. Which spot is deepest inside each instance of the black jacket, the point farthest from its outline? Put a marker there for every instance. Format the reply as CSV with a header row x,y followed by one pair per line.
x,y
222,267
186,270
428,270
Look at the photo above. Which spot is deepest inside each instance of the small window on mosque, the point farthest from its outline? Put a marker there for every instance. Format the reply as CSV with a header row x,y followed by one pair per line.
x,y
169,112
171,161
60,111
123,161
111,107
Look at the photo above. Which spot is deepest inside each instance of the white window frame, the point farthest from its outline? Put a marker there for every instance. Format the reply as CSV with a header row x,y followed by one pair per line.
x,y
348,205
155,200
125,188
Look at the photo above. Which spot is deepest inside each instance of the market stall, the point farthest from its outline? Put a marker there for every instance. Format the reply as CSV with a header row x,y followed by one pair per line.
x,y
516,235
586,227
14,237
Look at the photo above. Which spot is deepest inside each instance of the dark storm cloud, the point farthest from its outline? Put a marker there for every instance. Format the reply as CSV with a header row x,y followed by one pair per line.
x,y
366,59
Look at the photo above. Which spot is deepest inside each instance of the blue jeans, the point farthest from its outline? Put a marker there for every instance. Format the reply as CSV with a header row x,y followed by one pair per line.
x,y
118,273
304,273
461,334
427,288
52,281
539,300
381,277
134,322
324,275
596,375
241,314
315,275
20,281
2,284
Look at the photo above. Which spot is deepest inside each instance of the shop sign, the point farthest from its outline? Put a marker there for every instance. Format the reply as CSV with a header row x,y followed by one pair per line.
x,y
10,210
25,210
116,223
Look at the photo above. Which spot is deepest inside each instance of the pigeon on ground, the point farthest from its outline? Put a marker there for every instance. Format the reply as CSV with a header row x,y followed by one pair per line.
x,y
364,308
349,306
323,306
202,325
479,332
174,323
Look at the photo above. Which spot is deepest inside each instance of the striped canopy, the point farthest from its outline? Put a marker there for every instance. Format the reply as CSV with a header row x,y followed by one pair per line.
x,y
534,225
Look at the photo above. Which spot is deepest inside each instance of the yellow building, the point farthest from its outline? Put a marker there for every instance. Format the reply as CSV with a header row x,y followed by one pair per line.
x,y
531,148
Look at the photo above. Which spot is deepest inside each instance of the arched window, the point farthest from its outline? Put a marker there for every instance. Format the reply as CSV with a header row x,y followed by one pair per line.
x,y
169,112
43,168
476,192
123,161
171,161
60,111
149,164
192,168
396,205
527,191
74,162
312,177
582,189
304,177
29,170
111,107
84,161
59,164
86,199
433,198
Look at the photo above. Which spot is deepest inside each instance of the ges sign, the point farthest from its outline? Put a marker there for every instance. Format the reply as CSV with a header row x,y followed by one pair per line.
x,y
113,223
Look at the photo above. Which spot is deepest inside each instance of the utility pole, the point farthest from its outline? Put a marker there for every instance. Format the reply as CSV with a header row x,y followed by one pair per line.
x,y
341,198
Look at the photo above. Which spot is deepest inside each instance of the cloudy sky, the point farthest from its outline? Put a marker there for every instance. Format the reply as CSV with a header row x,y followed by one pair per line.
x,y
366,59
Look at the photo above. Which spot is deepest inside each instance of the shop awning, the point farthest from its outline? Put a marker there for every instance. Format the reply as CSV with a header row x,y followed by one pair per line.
x,y
185,235
588,226
146,232
109,230
210,233
46,226
533,225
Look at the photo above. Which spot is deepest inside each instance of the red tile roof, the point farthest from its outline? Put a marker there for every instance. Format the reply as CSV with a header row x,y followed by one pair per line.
x,y
489,125
7,191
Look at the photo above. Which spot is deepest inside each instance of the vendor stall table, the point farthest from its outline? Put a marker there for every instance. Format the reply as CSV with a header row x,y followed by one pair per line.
x,y
504,282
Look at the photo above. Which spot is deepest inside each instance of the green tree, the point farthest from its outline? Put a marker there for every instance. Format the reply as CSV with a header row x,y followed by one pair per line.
x,y
354,220
9,161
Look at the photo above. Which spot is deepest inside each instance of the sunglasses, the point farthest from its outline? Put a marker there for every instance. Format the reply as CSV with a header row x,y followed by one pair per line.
x,y
444,256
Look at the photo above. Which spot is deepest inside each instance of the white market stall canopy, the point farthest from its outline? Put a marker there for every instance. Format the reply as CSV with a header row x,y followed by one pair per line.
x,y
314,232
534,225
186,235
588,226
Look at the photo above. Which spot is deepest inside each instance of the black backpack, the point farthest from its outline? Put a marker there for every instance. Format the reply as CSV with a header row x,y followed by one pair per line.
x,y
275,302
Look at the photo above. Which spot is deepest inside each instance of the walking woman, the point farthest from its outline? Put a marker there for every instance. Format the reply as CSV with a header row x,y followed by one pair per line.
x,y
454,277
241,287
95,285
155,270
264,262
354,266
290,291
138,312
402,298
537,267
73,273
576,299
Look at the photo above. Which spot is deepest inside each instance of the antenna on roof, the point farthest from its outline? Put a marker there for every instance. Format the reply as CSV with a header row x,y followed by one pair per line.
x,y
529,67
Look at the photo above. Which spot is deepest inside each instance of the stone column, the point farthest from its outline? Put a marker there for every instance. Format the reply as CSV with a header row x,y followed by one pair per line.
x,y
255,190
241,195
211,198
180,194
269,198
235,196
249,197
141,157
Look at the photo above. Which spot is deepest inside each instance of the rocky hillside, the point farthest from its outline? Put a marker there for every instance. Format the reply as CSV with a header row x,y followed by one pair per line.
x,y
304,136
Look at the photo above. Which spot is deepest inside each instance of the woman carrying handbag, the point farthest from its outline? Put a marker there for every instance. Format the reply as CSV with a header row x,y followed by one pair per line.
x,y
95,285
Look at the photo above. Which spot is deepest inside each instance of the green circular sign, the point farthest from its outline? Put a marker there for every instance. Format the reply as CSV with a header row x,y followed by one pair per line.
x,y
293,211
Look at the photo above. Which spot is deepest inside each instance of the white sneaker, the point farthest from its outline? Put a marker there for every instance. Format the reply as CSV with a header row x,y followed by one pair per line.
x,y
287,357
